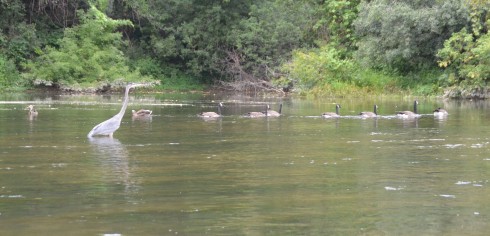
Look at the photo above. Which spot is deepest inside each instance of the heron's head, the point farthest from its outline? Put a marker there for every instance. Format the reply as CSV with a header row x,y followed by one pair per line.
x,y
142,84
134,85
30,107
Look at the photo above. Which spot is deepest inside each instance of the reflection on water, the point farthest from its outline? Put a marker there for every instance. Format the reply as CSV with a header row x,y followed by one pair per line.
x,y
147,118
298,174
114,162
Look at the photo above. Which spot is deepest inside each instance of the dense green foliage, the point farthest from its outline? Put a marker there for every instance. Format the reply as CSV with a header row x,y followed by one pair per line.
x,y
307,46
466,55
405,35
86,57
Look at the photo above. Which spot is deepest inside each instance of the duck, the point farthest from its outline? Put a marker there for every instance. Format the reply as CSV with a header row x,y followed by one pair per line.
x,y
332,114
368,114
32,110
257,114
141,113
212,114
272,113
440,112
409,114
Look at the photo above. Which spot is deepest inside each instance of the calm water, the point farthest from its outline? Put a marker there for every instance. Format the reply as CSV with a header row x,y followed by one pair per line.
x,y
299,174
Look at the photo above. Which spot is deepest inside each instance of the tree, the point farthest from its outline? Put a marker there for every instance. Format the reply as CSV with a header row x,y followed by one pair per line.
x,y
18,39
405,35
219,40
466,55
187,35
88,56
262,42
335,24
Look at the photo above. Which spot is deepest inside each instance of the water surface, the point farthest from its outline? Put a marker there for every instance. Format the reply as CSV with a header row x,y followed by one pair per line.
x,y
299,174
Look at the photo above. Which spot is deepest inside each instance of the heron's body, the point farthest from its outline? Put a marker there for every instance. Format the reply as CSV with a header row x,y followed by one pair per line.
x,y
108,127
409,114
368,114
332,114
440,112
212,114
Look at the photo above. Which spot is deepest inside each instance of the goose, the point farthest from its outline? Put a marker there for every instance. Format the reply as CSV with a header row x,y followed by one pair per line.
x,y
257,114
368,114
212,114
141,113
332,114
440,112
32,110
272,113
409,114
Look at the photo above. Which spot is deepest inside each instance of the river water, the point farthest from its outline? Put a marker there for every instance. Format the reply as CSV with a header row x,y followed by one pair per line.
x,y
299,174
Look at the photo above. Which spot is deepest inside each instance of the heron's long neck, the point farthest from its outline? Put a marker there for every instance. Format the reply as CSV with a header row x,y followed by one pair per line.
x,y
125,102
219,109
337,110
415,107
375,110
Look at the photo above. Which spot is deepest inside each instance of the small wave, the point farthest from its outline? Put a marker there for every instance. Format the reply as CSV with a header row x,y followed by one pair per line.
x,y
11,196
388,188
479,145
447,195
453,145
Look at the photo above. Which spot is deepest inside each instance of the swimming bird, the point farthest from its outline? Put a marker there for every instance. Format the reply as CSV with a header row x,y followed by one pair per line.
x,y
368,114
110,126
440,112
409,114
141,113
272,113
257,114
332,114
212,114
32,110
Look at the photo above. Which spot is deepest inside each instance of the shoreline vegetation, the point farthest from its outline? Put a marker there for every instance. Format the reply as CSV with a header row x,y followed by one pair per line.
x,y
305,48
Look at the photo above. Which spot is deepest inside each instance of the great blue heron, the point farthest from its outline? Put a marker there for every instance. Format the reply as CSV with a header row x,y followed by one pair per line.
x,y
109,126
409,114
212,114
32,110
272,113
368,114
332,114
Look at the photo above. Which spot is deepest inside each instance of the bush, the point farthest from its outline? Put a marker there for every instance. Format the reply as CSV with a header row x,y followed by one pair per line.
x,y
317,67
9,76
169,78
88,57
